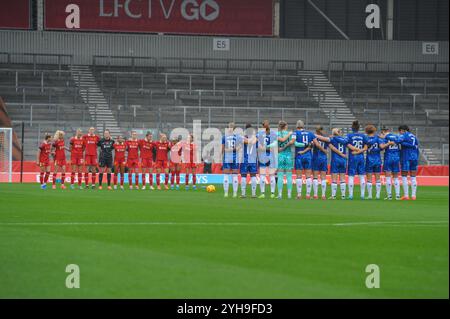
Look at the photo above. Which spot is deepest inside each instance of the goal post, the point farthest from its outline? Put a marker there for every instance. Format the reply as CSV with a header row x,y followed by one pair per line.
x,y
6,146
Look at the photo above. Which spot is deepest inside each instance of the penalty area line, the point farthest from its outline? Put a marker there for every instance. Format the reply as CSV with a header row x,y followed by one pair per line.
x,y
350,224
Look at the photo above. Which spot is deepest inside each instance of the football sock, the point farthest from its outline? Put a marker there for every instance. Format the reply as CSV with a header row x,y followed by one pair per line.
x,y
72,178
362,183
122,178
94,175
324,187
333,189
194,179
378,188
315,187
158,179
178,178
144,179
115,179
80,178
186,182
389,186
280,183
272,184
262,183
369,189
150,179
100,179
405,186
254,185
54,178
63,178
351,181
299,182
136,179
235,184
308,186
343,186
131,177
47,175
166,179
397,186
289,183
86,179
413,186
243,184
41,178
226,183
108,178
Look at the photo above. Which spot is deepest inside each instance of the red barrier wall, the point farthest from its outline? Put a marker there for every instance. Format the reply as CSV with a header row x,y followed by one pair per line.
x,y
15,14
225,17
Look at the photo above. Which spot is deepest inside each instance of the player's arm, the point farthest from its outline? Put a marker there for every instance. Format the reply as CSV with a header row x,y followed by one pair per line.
x,y
284,139
318,146
323,138
334,149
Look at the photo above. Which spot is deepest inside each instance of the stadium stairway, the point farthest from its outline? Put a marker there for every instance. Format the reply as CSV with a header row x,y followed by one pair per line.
x,y
328,98
91,94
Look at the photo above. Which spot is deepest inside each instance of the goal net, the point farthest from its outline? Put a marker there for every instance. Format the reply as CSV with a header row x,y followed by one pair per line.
x,y
5,154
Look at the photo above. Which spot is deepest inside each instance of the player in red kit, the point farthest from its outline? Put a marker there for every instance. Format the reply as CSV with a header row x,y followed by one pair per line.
x,y
90,156
175,163
162,160
190,161
133,159
146,147
119,160
59,149
76,158
43,160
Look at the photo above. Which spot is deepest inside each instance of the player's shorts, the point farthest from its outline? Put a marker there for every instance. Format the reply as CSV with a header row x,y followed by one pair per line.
x,y
303,162
230,166
106,162
248,168
356,166
373,167
147,163
285,162
161,164
133,163
44,163
190,165
320,165
120,162
391,166
409,165
60,162
90,160
339,166
77,160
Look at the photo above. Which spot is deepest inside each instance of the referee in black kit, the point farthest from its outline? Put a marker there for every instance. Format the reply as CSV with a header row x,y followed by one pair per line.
x,y
106,145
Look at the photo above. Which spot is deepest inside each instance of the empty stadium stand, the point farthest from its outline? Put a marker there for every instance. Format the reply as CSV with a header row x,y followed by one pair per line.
x,y
124,93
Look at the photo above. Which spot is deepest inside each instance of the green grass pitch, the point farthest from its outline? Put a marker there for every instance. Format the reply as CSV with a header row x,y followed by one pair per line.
x,y
178,244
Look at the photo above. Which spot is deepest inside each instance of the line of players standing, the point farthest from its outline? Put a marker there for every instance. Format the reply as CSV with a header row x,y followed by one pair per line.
x,y
133,154
279,153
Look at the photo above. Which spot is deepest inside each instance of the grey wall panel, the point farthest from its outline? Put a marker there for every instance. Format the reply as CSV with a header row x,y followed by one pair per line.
x,y
315,53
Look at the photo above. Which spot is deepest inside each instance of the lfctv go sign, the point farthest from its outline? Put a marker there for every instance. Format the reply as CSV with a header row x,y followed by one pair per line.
x,y
190,10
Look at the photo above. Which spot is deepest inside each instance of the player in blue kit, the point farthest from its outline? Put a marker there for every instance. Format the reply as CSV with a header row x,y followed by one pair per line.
x,y
391,162
409,158
320,164
267,158
249,165
231,144
338,147
303,158
373,160
357,143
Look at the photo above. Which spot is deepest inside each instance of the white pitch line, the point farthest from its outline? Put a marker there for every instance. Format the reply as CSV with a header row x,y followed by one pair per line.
x,y
372,223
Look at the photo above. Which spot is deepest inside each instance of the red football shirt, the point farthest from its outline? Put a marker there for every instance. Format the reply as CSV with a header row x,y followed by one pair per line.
x,y
133,149
46,149
60,150
189,152
90,142
77,146
119,151
146,148
162,148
